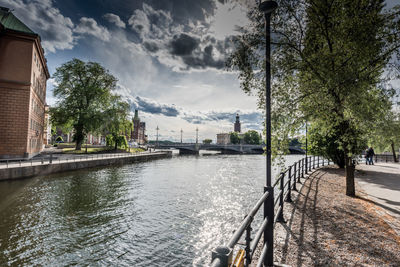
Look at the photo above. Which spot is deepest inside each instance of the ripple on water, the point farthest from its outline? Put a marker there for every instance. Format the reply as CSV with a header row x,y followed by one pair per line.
x,y
168,212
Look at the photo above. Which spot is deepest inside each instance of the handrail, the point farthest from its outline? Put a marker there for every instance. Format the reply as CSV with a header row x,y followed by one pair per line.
x,y
235,238
222,256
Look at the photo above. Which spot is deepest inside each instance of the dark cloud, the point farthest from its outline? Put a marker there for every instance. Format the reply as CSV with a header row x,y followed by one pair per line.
x,y
151,46
183,44
152,107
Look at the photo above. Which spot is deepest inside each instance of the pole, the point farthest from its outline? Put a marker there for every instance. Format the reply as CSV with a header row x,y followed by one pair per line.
x,y
197,135
157,136
181,135
306,148
267,8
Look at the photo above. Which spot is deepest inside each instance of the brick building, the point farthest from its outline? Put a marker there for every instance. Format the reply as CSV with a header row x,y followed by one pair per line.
x,y
23,76
138,134
237,125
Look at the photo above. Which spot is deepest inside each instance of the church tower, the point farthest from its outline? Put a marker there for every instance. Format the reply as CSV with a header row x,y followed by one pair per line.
x,y
237,124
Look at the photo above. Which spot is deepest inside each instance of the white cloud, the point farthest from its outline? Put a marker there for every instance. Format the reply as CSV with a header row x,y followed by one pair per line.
x,y
90,27
42,17
115,19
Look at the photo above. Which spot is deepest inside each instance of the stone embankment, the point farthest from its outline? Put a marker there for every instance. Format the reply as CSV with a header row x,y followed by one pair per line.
x,y
324,227
16,170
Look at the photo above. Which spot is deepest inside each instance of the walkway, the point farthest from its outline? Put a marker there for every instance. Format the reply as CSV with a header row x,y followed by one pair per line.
x,y
381,182
326,228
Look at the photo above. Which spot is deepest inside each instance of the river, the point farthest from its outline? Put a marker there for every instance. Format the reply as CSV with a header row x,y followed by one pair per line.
x,y
168,212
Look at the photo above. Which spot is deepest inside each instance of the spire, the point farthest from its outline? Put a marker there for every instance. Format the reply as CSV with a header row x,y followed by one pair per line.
x,y
136,115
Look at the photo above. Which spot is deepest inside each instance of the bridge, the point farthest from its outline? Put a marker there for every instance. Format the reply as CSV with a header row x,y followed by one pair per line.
x,y
193,148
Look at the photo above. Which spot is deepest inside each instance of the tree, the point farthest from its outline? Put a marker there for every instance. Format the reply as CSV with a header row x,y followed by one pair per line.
x,y
207,141
252,137
117,121
235,138
386,134
328,63
83,92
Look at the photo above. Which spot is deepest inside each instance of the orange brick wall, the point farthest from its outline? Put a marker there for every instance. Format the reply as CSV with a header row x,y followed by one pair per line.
x,y
21,81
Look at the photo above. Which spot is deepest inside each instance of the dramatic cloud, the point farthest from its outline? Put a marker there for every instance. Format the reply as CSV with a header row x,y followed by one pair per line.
x,y
150,106
55,30
183,44
89,26
115,19
181,47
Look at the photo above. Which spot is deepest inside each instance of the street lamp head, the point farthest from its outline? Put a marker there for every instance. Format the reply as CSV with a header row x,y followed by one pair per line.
x,y
268,7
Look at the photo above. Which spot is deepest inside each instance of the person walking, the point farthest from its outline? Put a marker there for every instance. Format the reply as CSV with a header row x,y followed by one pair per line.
x,y
370,156
366,156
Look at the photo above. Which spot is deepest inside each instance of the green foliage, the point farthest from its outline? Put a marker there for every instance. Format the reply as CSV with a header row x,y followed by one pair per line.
x,y
109,140
83,92
59,139
121,142
328,65
207,141
235,138
252,137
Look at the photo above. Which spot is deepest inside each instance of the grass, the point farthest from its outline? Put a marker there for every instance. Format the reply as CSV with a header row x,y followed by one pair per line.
x,y
93,150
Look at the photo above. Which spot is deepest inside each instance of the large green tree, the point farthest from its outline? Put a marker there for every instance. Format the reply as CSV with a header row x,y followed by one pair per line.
x,y
252,137
329,59
84,93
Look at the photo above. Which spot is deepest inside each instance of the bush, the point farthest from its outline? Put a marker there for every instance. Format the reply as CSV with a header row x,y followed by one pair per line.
x,y
109,140
122,142
59,139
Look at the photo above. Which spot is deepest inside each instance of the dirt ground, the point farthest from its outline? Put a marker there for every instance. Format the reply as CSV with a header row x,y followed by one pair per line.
x,y
324,227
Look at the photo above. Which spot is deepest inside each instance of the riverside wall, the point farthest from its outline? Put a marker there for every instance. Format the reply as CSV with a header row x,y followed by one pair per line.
x,y
19,172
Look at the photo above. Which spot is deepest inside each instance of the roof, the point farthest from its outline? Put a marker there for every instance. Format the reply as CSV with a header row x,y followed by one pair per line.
x,y
11,22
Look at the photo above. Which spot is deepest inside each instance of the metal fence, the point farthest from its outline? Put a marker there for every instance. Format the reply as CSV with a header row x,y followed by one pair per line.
x,y
286,183
63,158
386,158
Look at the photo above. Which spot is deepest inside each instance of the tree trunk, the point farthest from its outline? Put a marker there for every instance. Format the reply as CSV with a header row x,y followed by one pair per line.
x,y
350,186
394,152
79,137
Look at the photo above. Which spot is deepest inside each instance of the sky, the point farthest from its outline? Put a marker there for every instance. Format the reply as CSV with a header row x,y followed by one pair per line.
x,y
168,56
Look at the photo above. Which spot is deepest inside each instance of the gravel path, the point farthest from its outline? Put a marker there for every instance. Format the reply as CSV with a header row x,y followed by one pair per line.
x,y
326,228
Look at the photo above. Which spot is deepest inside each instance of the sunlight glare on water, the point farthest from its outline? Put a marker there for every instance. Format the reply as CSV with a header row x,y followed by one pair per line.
x,y
169,212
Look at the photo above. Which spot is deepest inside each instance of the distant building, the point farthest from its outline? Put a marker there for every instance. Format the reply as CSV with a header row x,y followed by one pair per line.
x,y
138,134
23,76
236,126
223,138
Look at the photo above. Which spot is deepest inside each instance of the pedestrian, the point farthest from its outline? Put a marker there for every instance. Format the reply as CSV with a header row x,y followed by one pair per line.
x,y
366,156
371,154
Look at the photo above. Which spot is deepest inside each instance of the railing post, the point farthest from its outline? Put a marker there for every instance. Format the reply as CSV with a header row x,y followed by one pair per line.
x,y
318,162
282,184
269,213
313,162
302,168
306,166
248,241
323,161
310,164
7,163
298,175
289,196
224,254
294,177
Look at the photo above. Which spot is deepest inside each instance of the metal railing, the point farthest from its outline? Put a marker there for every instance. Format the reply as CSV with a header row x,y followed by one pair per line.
x,y
63,158
287,182
386,158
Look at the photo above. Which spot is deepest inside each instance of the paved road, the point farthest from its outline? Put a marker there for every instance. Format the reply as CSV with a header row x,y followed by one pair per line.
x,y
382,184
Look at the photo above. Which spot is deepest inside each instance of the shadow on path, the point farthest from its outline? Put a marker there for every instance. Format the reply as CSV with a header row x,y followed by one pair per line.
x,y
326,228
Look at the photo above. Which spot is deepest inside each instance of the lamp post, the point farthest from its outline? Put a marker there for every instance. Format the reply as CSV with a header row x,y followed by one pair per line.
x,y
267,7
157,136
197,135
306,148
181,135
